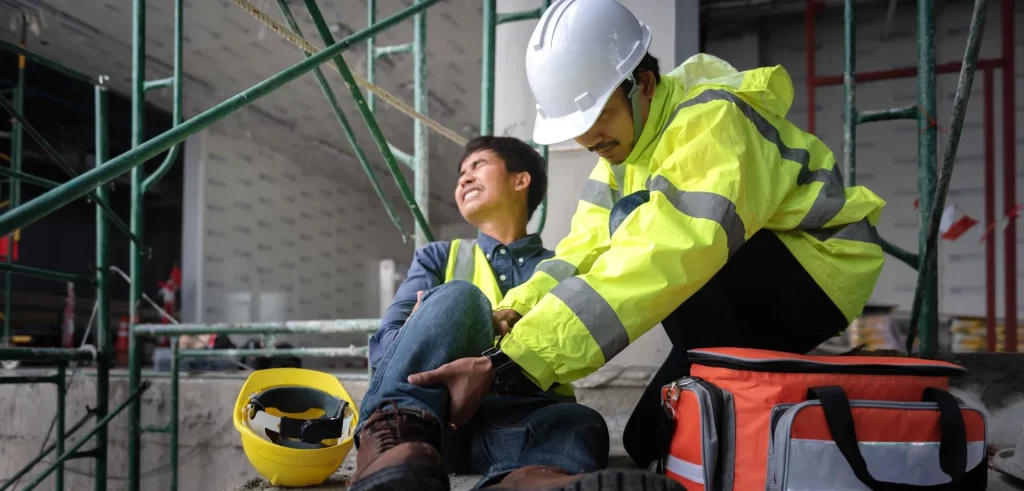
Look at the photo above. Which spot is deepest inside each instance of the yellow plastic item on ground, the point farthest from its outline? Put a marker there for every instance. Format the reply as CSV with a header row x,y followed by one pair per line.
x,y
296,425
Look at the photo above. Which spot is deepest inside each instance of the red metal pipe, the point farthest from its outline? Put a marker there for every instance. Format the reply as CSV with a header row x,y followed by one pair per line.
x,y
899,73
1009,176
990,216
811,51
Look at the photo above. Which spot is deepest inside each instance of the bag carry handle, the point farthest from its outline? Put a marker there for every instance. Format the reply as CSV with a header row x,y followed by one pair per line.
x,y
952,440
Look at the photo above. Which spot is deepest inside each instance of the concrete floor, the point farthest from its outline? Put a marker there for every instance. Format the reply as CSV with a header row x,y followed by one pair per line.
x,y
211,457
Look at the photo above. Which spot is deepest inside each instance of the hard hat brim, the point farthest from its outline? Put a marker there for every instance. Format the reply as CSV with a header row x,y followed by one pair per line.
x,y
549,131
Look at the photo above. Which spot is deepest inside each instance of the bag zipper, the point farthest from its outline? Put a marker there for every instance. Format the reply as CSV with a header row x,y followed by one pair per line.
x,y
806,366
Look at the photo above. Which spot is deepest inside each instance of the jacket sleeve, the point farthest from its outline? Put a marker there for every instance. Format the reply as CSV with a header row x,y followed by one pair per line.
x,y
576,253
718,181
425,272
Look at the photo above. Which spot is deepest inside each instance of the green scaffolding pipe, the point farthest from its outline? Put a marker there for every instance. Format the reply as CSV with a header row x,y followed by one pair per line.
x,y
487,67
99,424
157,429
397,49
402,157
104,341
332,100
421,137
926,296
158,84
40,59
357,96
14,186
849,94
927,277
29,178
518,16
42,455
137,216
48,354
345,326
909,258
371,58
175,83
45,273
80,186
52,153
354,351
887,114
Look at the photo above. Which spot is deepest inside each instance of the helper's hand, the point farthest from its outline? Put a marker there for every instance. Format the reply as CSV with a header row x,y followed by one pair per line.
x,y
468,381
419,299
505,320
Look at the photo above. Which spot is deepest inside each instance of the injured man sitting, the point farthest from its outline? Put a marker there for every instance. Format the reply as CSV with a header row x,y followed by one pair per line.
x,y
410,435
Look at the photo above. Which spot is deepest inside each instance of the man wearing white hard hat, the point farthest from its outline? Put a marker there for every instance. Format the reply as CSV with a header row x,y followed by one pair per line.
x,y
707,211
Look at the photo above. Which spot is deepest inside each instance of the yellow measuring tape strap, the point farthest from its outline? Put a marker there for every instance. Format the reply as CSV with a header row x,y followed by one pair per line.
x,y
387,97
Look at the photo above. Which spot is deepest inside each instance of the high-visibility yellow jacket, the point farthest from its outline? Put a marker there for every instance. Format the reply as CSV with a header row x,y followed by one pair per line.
x,y
467,262
721,162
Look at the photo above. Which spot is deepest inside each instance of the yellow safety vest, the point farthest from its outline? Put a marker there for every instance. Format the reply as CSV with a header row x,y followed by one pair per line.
x,y
721,162
470,264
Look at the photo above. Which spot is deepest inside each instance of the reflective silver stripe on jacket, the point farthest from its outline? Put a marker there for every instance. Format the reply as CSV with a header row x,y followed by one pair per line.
x,y
598,193
465,263
701,204
831,198
861,231
595,313
559,269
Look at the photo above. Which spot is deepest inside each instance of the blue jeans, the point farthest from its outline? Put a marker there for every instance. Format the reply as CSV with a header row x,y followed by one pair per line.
x,y
508,432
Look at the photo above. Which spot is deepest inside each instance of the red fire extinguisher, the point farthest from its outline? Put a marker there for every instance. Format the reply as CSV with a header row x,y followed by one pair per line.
x,y
121,345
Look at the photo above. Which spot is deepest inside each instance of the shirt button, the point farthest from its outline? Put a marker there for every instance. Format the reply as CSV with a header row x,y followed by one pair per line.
x,y
502,277
488,256
520,260
501,251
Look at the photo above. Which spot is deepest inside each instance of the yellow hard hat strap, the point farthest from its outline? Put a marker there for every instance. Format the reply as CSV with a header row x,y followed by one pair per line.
x,y
298,432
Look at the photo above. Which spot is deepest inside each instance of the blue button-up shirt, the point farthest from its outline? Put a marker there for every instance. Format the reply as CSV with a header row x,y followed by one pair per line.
x,y
512,265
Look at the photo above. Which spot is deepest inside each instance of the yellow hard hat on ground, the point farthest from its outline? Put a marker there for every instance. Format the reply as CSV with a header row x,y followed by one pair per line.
x,y
296,425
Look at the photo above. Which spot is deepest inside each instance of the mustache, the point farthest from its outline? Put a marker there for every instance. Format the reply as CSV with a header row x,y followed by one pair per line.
x,y
602,146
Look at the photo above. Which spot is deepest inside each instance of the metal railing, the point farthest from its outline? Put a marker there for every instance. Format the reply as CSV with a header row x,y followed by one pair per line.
x,y
93,184
932,189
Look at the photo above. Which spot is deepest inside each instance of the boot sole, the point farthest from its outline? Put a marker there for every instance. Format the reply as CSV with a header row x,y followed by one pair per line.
x,y
622,480
403,478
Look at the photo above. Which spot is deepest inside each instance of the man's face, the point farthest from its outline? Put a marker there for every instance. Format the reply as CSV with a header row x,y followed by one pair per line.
x,y
611,137
485,186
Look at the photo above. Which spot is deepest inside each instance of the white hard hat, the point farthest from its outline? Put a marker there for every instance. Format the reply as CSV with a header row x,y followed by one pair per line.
x,y
579,54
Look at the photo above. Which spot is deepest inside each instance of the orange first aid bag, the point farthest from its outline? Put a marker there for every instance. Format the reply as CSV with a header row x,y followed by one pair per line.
x,y
747,419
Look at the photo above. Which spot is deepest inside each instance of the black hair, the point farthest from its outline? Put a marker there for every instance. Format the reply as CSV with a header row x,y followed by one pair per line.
x,y
647,64
518,156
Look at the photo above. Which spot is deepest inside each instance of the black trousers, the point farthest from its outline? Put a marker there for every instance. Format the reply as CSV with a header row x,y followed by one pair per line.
x,y
762,298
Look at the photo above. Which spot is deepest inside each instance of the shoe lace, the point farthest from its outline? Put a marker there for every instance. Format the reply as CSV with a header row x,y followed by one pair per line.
x,y
386,429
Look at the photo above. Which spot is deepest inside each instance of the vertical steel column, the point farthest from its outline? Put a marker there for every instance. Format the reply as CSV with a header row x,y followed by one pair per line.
x,y
1009,174
990,215
421,138
103,339
14,185
135,263
58,475
371,55
926,141
490,22
849,93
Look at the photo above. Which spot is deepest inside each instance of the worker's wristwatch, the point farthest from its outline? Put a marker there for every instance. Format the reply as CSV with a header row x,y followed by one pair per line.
x,y
508,377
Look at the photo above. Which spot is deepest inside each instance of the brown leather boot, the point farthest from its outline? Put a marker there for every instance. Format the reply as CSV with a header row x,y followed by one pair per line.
x,y
398,451
547,478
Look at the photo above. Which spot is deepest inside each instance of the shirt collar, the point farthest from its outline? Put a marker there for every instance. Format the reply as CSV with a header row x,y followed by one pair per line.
x,y
522,248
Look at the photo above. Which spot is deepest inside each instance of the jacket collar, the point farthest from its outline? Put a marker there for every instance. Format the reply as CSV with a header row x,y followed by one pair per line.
x,y
664,94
